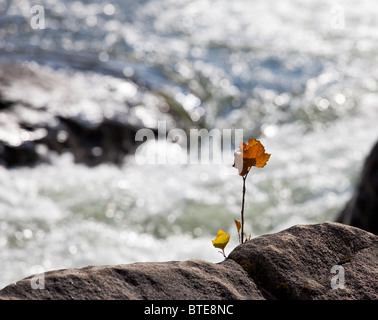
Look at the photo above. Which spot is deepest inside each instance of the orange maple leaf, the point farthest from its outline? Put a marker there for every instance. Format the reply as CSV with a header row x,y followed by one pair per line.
x,y
249,155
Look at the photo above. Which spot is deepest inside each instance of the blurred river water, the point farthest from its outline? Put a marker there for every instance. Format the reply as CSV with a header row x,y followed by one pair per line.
x,y
301,76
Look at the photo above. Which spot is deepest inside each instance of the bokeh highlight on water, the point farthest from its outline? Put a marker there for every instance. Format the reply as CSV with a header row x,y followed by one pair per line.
x,y
301,76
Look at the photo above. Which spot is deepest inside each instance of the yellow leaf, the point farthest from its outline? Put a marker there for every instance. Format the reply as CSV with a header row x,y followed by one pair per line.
x,y
249,155
238,225
221,240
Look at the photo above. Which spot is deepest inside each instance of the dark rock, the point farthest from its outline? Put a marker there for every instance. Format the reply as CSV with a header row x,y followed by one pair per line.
x,y
24,154
293,264
362,210
193,279
93,116
296,263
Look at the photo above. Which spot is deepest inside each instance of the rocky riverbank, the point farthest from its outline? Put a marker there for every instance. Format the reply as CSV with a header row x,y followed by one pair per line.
x,y
92,116
321,261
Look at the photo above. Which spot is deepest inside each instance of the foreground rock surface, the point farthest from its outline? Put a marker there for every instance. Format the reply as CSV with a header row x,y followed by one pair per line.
x,y
297,263
193,279
293,264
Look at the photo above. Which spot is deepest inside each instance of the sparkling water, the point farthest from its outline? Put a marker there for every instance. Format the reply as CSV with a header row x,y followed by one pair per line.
x,y
300,76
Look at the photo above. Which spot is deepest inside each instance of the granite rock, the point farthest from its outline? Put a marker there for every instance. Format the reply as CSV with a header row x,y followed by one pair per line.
x,y
303,261
321,261
178,280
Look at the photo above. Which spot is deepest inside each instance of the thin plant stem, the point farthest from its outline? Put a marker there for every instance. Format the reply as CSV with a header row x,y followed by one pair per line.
x,y
242,210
